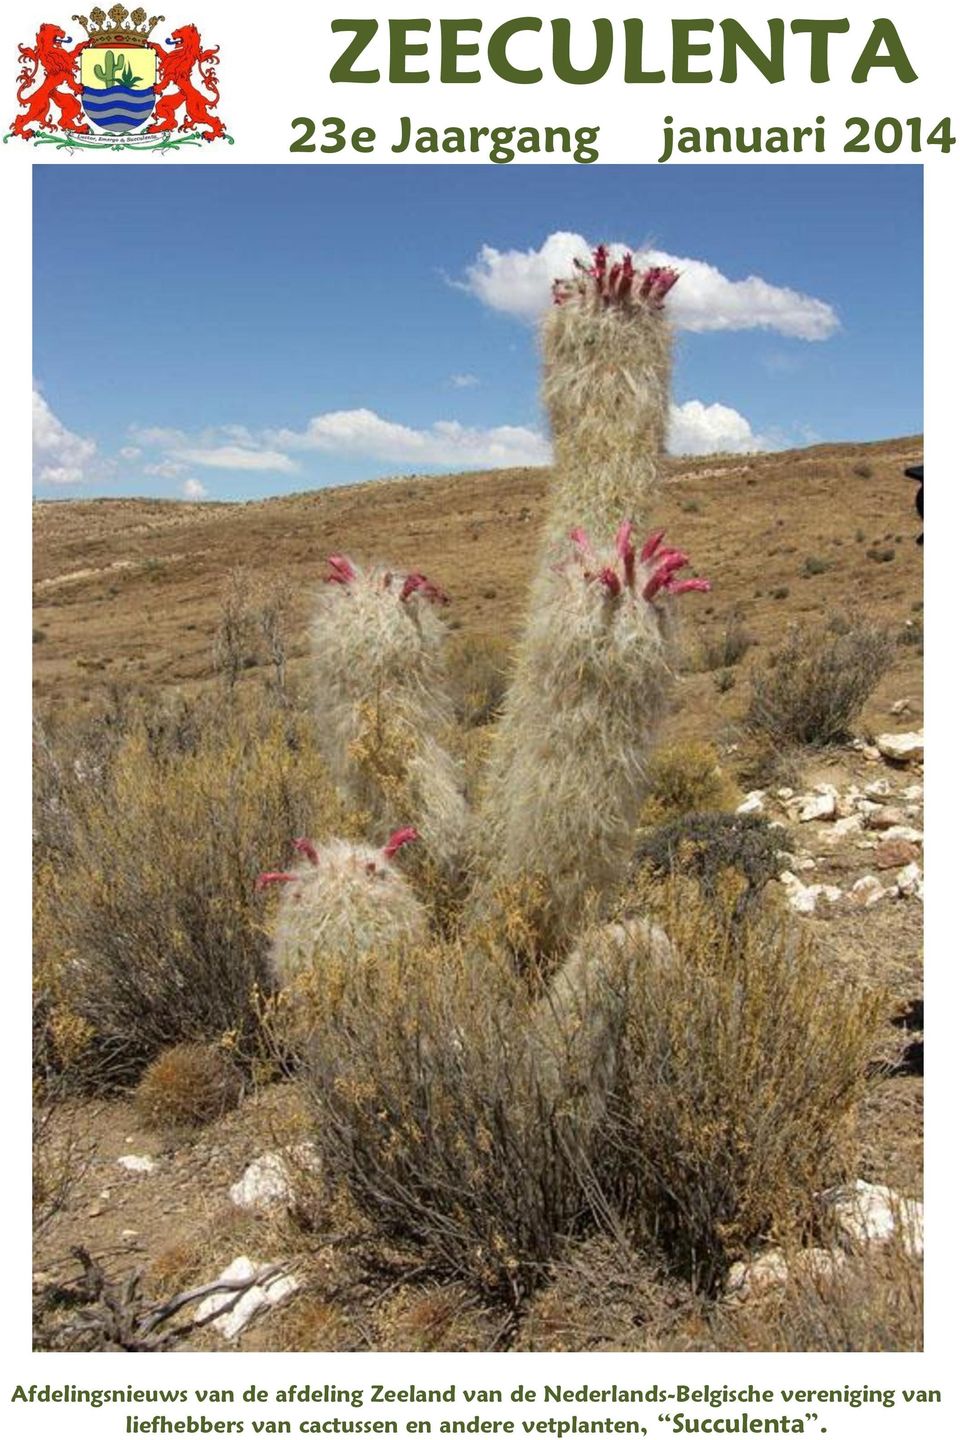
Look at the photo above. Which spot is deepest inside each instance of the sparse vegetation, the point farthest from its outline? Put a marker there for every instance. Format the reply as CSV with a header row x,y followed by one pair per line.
x,y
815,565
728,855
684,778
817,682
723,649
147,928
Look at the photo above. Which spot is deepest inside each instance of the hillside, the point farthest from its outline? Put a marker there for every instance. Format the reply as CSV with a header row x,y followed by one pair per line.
x,y
129,590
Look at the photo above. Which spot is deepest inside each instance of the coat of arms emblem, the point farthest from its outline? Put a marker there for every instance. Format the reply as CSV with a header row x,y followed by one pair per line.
x,y
118,87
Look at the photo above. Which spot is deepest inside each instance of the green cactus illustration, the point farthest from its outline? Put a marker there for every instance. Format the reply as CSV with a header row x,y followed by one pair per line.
x,y
116,70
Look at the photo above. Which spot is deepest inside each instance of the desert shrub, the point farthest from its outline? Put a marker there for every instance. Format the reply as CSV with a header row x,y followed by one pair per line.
x,y
862,470
147,928
716,849
780,592
479,668
685,777
429,1114
727,648
741,1064
817,683
187,1086
723,681
880,554
815,565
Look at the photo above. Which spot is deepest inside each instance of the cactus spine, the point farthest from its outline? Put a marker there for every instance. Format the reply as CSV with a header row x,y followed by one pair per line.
x,y
385,715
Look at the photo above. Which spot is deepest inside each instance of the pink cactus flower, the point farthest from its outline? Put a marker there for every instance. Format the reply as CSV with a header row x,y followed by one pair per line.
x,y
658,565
399,838
617,284
341,571
417,583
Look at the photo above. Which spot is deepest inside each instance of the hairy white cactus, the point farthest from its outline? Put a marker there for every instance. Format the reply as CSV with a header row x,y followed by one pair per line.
x,y
342,901
567,769
577,1026
384,711
606,385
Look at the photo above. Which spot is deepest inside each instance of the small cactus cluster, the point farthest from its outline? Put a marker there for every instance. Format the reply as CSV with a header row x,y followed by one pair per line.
x,y
342,901
565,778
386,713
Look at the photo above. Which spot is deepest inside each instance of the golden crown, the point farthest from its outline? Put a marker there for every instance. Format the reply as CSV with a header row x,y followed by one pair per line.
x,y
119,27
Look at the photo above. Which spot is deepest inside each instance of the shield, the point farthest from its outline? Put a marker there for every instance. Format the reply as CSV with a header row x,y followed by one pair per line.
x,y
118,83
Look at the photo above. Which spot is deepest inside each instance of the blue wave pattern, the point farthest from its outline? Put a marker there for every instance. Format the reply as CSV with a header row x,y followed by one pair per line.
x,y
118,108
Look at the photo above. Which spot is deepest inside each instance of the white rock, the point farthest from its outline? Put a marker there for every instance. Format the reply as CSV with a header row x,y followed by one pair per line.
x,y
868,890
753,804
803,898
785,793
880,787
910,880
874,1215
850,825
268,1179
817,807
868,807
913,792
870,752
235,1310
140,1164
904,832
899,707
903,747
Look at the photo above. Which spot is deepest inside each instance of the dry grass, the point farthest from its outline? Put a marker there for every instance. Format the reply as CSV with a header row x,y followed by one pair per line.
x,y
743,1065
148,932
683,778
427,1111
816,684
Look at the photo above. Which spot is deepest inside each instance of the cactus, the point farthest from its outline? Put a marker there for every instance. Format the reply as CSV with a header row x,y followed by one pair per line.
x,y
606,386
341,902
577,1026
567,771
384,709
116,70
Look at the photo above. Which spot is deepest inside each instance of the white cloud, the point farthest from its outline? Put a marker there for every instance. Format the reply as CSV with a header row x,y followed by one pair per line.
x,y
157,435
59,456
445,442
463,382
165,469
193,490
234,457
518,282
129,452
698,429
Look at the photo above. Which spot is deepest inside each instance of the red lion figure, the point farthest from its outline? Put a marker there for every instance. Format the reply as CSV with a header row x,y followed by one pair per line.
x,y
176,67
58,66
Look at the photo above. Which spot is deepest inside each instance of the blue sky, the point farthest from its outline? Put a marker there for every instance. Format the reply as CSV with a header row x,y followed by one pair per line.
x,y
237,331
